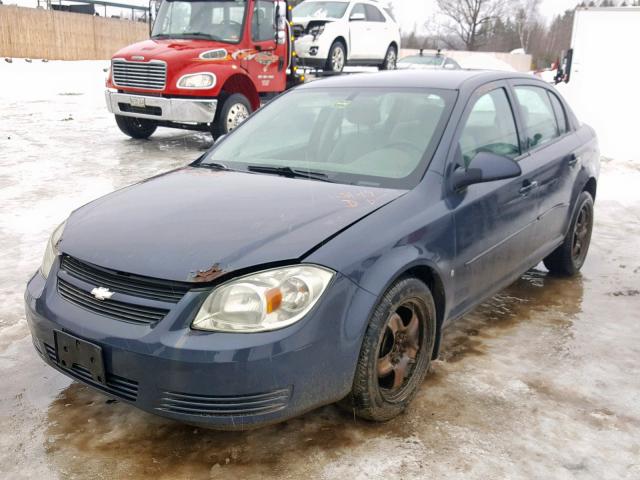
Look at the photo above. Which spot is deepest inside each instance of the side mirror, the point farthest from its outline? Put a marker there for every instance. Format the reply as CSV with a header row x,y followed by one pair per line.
x,y
487,167
357,17
449,66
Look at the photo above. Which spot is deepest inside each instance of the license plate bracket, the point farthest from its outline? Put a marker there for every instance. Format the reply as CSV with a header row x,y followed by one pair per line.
x,y
75,351
138,102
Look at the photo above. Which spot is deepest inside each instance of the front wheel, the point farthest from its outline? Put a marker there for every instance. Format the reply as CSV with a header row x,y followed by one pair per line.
x,y
396,352
390,59
235,109
139,128
337,57
569,257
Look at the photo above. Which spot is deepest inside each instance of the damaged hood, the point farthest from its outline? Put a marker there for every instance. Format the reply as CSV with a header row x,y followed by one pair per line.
x,y
183,224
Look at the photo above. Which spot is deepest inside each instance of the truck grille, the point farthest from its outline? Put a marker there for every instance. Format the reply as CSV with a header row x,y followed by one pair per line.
x,y
150,75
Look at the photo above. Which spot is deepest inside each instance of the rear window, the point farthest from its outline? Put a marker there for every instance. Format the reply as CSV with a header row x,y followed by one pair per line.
x,y
538,115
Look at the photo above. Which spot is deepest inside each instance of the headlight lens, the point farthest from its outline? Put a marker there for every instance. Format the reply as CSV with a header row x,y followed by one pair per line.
x,y
51,252
263,301
197,81
316,31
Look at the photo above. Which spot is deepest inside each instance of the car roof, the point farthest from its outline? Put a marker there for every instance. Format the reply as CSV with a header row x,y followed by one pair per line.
x,y
442,79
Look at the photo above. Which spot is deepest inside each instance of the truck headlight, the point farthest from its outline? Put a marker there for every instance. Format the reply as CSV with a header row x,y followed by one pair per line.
x,y
197,81
263,301
51,252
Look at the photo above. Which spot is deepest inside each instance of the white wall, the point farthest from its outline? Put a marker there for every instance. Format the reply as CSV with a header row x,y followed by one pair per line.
x,y
604,88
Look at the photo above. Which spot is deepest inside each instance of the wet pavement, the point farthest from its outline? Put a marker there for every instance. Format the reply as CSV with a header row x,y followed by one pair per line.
x,y
542,381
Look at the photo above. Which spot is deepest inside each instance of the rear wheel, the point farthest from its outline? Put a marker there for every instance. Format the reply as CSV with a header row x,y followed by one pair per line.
x,y
569,257
390,59
235,109
337,57
139,128
396,352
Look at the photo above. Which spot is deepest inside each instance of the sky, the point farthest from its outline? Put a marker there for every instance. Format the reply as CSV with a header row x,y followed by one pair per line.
x,y
410,12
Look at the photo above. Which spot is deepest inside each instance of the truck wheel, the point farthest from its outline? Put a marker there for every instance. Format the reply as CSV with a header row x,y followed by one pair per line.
x,y
337,57
235,109
390,59
396,352
136,127
569,257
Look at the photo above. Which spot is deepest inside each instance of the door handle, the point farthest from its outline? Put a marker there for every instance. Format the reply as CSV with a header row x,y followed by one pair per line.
x,y
527,187
573,160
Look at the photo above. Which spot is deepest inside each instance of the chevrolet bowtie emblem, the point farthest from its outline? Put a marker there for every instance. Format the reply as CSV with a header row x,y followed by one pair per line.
x,y
102,293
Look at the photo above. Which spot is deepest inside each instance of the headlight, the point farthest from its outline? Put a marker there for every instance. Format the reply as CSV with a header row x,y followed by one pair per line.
x,y
51,252
316,31
197,81
263,301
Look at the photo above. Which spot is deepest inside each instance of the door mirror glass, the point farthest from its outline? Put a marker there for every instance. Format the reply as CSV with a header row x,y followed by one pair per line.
x,y
357,17
487,167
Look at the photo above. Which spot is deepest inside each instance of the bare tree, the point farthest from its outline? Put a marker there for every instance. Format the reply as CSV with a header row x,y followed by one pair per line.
x,y
526,19
471,20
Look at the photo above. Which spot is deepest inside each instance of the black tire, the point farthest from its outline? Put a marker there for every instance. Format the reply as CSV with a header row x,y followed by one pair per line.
x,y
381,396
337,50
390,59
139,128
235,108
568,258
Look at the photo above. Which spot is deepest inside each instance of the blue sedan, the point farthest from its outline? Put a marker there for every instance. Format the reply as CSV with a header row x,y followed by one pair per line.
x,y
315,254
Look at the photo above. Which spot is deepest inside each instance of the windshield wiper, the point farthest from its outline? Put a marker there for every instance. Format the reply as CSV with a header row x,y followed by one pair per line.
x,y
289,172
215,166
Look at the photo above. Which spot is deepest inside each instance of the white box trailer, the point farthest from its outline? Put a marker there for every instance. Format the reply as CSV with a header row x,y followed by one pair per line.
x,y
604,84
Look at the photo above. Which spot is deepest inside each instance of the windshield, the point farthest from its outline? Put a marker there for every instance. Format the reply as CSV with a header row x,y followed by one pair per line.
x,y
219,20
367,136
423,60
321,9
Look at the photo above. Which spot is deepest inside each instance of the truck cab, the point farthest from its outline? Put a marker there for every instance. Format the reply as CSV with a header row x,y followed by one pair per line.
x,y
206,66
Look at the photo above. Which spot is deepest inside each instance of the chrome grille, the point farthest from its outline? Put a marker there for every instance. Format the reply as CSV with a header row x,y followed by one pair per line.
x,y
150,75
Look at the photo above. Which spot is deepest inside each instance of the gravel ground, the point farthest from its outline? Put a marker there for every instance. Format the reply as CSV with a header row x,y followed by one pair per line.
x,y
542,381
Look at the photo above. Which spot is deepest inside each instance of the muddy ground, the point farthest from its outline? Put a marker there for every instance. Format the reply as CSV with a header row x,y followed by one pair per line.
x,y
542,381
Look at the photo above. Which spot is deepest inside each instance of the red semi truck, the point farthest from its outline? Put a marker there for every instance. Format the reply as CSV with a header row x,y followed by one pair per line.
x,y
207,66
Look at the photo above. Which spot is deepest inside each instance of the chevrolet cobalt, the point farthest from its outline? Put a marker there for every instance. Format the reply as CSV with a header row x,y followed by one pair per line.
x,y
315,254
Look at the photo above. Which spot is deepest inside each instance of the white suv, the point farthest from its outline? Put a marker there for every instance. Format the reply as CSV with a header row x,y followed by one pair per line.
x,y
332,34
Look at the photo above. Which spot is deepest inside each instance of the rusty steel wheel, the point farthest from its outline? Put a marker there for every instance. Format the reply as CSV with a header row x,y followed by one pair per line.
x,y
569,257
399,348
396,352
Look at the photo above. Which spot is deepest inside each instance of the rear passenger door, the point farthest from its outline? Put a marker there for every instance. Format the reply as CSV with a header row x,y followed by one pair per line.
x,y
494,221
554,150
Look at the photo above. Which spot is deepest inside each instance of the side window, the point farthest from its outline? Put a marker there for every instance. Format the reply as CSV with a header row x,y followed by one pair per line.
x,y
373,14
537,112
561,115
490,127
358,8
262,24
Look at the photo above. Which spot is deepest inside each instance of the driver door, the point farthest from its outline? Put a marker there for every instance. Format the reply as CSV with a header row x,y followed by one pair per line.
x,y
268,60
495,221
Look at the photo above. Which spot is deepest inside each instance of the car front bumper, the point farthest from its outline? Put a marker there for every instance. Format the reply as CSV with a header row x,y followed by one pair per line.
x,y
219,380
311,52
177,110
